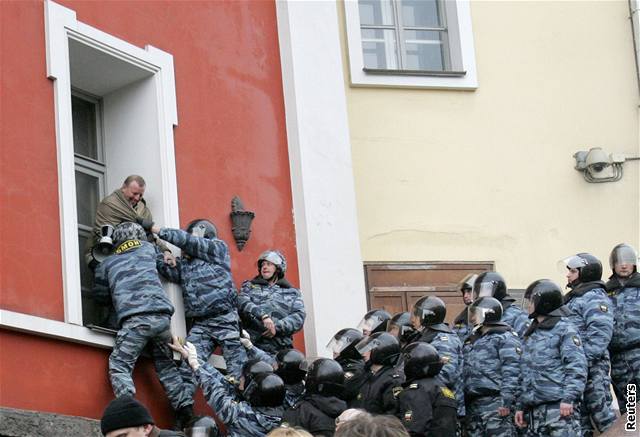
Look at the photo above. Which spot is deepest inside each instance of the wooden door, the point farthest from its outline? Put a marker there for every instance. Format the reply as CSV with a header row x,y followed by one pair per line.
x,y
396,286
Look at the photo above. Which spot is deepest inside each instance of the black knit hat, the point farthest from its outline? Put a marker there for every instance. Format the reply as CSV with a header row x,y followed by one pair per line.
x,y
124,412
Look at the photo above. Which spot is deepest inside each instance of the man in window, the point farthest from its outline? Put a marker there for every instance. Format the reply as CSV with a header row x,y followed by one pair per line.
x,y
124,205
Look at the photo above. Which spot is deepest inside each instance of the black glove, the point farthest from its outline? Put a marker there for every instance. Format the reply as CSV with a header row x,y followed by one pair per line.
x,y
145,223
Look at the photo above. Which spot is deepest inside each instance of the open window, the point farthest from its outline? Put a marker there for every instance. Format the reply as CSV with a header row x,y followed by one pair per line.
x,y
115,110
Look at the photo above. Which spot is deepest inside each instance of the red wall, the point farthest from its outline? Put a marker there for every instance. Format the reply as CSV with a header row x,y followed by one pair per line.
x,y
231,139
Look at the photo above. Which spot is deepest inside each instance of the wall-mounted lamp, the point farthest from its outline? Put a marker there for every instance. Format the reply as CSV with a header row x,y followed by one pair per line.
x,y
598,166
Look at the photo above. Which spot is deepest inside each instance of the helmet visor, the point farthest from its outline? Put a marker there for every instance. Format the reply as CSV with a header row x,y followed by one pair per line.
x,y
485,289
369,323
272,257
467,282
477,315
623,255
306,364
367,344
571,262
338,345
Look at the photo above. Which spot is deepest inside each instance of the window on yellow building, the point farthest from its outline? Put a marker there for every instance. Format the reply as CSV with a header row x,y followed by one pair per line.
x,y
413,43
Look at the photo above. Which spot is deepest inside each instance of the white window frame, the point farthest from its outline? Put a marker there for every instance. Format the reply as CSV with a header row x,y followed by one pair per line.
x,y
460,36
60,26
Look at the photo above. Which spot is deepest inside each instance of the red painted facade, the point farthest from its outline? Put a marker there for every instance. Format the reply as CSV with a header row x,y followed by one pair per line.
x,y
230,140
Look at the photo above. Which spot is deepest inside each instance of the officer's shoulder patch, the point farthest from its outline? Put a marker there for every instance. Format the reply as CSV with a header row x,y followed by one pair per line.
x,y
359,397
396,391
447,392
444,338
518,350
604,308
576,340
408,415
414,385
348,375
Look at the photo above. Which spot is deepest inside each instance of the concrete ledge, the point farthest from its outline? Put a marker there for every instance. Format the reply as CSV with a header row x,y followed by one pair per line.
x,y
24,423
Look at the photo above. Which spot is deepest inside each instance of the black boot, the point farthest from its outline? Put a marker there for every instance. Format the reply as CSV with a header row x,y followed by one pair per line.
x,y
184,415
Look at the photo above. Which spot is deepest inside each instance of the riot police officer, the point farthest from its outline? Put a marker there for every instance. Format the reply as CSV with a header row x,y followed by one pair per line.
x,y
592,316
425,406
428,318
400,326
377,395
461,325
492,284
553,366
318,409
343,346
623,288
289,368
491,371
374,321
263,393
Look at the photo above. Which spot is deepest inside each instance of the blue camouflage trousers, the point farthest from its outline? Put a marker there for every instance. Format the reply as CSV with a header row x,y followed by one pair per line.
x,y
596,399
483,418
625,369
208,333
135,334
545,421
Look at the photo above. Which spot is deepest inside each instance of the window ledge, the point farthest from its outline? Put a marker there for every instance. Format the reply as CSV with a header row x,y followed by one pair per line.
x,y
414,72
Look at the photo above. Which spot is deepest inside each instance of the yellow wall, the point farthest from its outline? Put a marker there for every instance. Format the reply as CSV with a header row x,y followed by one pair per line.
x,y
488,174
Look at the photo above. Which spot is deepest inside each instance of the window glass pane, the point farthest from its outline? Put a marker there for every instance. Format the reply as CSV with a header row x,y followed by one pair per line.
x,y
92,312
84,127
424,50
420,13
376,12
87,197
379,49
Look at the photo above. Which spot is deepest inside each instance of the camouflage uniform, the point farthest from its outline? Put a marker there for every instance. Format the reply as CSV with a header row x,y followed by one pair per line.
x,y
281,302
491,375
240,418
625,341
461,325
449,348
144,315
553,369
514,316
591,314
210,298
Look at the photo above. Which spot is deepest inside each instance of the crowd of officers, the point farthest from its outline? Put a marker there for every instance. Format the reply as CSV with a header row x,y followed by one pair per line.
x,y
498,371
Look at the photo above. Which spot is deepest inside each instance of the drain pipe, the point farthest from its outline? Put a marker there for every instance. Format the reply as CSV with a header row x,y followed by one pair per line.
x,y
635,29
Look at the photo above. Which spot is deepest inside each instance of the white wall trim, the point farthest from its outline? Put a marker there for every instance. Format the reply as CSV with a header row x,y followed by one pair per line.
x,y
60,26
356,62
53,329
330,262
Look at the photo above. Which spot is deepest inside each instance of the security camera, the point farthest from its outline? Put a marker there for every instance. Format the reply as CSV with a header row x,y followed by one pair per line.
x,y
597,160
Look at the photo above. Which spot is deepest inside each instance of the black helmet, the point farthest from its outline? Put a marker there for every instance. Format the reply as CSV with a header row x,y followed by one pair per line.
x,y
431,310
485,310
203,426
588,266
288,369
202,228
383,346
466,284
265,390
401,322
545,295
374,321
254,367
421,360
344,342
623,254
490,284
324,377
